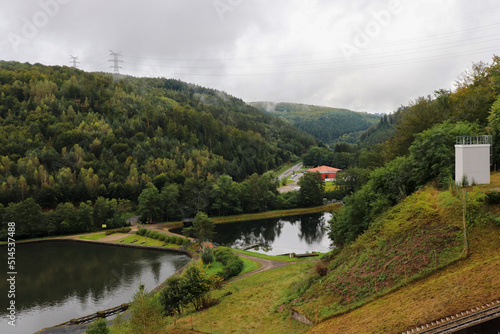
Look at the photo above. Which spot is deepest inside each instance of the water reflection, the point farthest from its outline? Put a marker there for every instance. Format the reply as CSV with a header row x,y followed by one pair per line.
x,y
296,234
65,280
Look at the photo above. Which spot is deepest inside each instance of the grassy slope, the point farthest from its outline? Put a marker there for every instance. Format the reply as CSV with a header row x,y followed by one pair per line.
x,y
420,234
465,284
252,306
425,224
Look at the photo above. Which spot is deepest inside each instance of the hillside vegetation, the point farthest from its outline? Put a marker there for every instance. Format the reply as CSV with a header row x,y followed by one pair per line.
x,y
326,124
430,294
73,138
421,234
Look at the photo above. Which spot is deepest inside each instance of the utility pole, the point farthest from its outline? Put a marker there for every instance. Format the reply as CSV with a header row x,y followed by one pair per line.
x,y
116,60
74,61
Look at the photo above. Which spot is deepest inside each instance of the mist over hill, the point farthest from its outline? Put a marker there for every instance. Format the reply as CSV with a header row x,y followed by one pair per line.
x,y
325,123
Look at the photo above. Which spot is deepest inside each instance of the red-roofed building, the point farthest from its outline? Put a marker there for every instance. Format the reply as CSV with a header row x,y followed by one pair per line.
x,y
327,173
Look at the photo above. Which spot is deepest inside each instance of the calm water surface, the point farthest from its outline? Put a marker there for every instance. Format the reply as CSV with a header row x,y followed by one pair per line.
x,y
59,281
298,234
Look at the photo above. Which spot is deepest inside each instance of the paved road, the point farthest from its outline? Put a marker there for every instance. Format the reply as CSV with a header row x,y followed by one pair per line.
x,y
295,177
290,171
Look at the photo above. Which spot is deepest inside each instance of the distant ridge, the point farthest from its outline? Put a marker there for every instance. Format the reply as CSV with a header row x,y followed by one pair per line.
x,y
325,123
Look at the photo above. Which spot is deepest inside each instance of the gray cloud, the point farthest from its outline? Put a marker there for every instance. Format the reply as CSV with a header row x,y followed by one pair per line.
x,y
364,55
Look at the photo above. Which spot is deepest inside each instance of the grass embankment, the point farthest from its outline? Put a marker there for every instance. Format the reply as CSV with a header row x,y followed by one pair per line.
x,y
140,240
95,236
253,305
416,247
248,266
280,258
466,284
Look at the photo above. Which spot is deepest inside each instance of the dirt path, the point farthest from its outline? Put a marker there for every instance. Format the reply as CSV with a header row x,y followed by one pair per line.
x,y
266,265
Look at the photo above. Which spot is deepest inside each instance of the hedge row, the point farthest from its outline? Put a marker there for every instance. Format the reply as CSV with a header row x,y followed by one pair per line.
x,y
169,239
232,262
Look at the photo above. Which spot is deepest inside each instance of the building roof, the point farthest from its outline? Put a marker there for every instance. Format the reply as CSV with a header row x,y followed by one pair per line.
x,y
324,169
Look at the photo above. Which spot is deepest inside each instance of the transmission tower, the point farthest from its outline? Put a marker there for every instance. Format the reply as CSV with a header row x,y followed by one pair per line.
x,y
74,61
115,61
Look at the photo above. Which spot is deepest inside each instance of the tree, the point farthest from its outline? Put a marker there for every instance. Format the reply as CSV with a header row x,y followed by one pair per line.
x,y
170,201
433,150
28,217
226,199
202,229
172,296
197,284
149,207
146,315
312,189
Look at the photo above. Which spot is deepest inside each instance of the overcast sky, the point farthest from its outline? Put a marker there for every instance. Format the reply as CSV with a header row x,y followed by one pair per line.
x,y
362,55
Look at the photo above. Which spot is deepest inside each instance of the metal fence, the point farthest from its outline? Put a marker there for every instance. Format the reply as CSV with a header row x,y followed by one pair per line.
x,y
473,140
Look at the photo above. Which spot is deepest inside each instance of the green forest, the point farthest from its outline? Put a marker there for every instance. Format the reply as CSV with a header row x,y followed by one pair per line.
x,y
326,124
79,150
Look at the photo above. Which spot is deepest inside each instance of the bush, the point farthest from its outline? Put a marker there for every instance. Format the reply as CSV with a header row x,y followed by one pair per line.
x,y
99,326
141,231
493,198
232,262
170,239
207,255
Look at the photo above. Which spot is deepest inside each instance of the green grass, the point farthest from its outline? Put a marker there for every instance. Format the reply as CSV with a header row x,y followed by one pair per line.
x,y
214,267
465,284
93,236
248,266
414,240
253,305
147,241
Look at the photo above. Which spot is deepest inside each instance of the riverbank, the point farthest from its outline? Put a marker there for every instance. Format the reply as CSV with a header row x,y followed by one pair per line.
x,y
167,226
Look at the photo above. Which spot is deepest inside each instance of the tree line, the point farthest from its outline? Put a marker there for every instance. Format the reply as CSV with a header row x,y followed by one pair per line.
x,y
419,151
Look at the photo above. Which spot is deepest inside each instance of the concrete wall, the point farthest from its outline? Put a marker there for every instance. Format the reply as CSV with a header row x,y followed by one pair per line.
x,y
472,161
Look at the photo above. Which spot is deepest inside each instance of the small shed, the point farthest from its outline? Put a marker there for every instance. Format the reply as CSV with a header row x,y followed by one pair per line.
x,y
327,173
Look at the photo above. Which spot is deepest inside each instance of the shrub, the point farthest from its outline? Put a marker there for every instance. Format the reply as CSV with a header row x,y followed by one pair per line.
x,y
232,262
493,197
207,255
99,326
141,231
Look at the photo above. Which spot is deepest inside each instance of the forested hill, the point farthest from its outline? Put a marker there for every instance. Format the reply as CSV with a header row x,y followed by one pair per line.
x,y
326,124
67,135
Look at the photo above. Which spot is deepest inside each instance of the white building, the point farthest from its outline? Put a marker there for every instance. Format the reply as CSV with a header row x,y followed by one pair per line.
x,y
472,159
